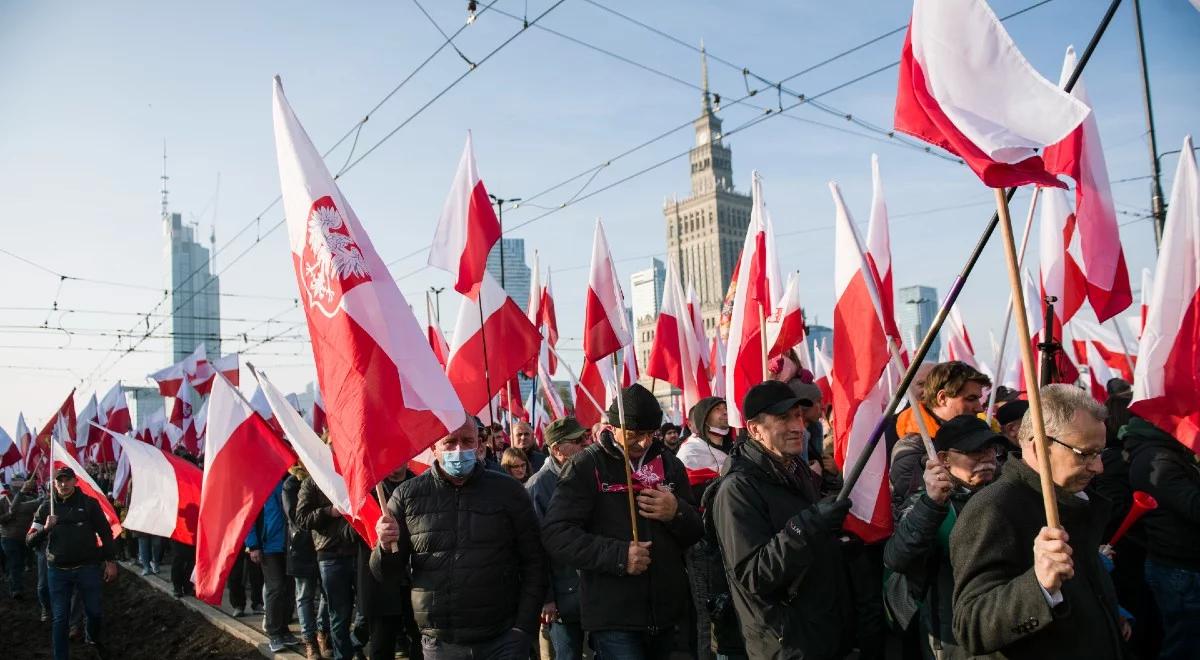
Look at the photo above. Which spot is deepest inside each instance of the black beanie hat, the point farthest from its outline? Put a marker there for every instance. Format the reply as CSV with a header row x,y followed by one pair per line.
x,y
642,412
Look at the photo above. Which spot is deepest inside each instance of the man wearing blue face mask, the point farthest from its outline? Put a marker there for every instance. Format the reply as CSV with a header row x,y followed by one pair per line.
x,y
472,541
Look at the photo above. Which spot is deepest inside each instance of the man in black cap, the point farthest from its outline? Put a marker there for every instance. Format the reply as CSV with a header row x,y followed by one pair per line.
x,y
780,544
560,613
1009,416
79,554
634,593
919,549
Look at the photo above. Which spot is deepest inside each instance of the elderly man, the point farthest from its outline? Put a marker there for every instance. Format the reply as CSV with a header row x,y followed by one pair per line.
x,y
523,439
779,542
1023,590
634,593
470,539
966,462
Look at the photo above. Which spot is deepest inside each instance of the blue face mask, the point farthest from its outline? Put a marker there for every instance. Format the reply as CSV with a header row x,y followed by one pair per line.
x,y
458,463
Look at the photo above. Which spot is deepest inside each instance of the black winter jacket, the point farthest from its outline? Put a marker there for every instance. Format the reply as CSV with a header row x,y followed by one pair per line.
x,y
563,590
1000,610
332,534
477,564
72,541
1160,465
789,585
382,597
588,527
301,554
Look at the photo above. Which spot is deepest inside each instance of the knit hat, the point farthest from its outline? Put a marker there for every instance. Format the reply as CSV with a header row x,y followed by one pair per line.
x,y
564,429
642,412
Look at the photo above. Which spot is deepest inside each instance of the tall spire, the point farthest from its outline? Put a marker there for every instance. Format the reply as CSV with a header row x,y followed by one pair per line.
x,y
164,180
707,100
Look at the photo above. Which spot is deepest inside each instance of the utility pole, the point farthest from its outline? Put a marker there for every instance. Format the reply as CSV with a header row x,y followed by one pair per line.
x,y
1157,210
437,298
499,202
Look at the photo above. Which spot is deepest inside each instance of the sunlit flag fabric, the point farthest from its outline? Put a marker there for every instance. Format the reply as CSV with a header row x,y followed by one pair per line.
x,y
320,423
243,462
605,330
388,398
504,336
62,419
437,340
822,367
24,440
675,353
629,367
1166,383
1061,274
958,344
1106,343
596,378
468,227
716,366
1147,292
1081,157
10,453
701,460
860,356
181,424
787,331
318,461
114,415
60,458
170,378
879,255
1098,373
165,499
966,88
120,489
226,365
549,324
87,436
697,323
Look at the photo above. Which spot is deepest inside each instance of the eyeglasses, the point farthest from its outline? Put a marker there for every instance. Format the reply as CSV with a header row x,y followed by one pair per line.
x,y
1085,456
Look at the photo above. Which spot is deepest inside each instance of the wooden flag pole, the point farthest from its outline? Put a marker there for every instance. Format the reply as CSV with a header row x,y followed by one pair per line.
x,y
379,494
999,371
1031,386
625,449
762,334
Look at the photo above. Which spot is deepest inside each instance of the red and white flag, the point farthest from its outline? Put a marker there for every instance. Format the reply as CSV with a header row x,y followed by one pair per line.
x,y
1147,292
86,435
629,367
10,453
181,424
879,255
1166,383
114,415
787,331
243,462
753,302
170,378
317,459
966,88
388,398
958,344
1081,157
61,458
549,324
550,397
859,389
483,356
701,461
596,380
24,440
61,425
226,365
1098,373
437,340
165,499
697,323
1107,345
120,489
534,311
320,423
605,329
675,355
468,227
716,366
1061,273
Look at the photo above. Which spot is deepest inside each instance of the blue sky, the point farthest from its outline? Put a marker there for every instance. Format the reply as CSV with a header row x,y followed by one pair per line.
x,y
94,89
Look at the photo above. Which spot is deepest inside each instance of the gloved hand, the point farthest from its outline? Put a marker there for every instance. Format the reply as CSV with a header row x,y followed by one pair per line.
x,y
824,517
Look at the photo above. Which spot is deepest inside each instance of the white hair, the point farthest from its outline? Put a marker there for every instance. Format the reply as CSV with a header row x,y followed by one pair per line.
x,y
1059,405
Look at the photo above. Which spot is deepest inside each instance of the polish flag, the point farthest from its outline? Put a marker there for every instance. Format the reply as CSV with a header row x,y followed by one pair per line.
x,y
549,324
388,396
697,323
165,499
859,389
120,491
879,255
605,330
468,227
437,340
10,453
752,304
534,312
320,423
318,460
60,457
958,341
716,366
1147,291
1062,276
1107,345
675,354
510,399
1033,314
788,332
199,423
87,436
169,379
24,442
966,88
1081,157
243,462
61,423
1098,372
258,401
1166,383
422,461
701,461
549,395
226,365
114,415
629,367
597,378
506,339
181,422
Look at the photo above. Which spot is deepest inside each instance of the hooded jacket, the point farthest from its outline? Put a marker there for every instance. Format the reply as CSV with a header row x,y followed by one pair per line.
x,y
564,580
1160,465
587,527
269,532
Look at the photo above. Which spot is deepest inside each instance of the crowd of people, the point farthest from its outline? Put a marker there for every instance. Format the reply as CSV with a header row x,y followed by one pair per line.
x,y
642,539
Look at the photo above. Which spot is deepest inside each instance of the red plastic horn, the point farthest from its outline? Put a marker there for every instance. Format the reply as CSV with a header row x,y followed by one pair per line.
x,y
1142,502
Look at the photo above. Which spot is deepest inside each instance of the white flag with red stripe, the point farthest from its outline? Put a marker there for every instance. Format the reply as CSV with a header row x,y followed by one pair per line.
x,y
437,339
1107,345
549,324
822,367
86,435
859,389
243,462
1081,157
958,344
1098,373
61,458
165,499
596,381
966,88
697,323
1166,383
716,366
170,378
787,330
879,255
753,302
605,329
675,353
226,365
1061,274
388,398
24,440
1147,292
468,227
10,453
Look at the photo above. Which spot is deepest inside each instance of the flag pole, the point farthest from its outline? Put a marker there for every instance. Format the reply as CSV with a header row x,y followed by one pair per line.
x,y
855,472
487,379
1124,346
762,334
1033,391
571,373
625,448
999,371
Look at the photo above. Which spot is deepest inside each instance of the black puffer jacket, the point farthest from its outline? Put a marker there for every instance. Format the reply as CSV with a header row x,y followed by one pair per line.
x,y
382,597
301,555
789,586
478,569
588,527
1160,465
331,534
72,541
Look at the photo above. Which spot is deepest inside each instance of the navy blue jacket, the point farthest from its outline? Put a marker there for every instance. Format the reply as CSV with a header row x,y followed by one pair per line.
x,y
269,532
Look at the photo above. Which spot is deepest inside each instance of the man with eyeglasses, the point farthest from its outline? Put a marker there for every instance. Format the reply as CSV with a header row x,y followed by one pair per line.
x,y
1024,590
919,549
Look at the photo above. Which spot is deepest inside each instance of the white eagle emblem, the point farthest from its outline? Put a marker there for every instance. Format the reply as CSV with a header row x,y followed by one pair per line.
x,y
333,262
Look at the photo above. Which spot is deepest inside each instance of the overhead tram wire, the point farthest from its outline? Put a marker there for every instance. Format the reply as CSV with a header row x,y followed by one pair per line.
x,y
344,170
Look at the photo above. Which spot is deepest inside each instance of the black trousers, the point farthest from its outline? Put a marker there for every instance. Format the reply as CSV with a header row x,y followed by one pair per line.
x,y
182,562
244,571
385,631
280,594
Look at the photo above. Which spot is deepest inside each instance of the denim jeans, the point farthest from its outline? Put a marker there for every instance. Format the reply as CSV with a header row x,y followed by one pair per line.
x,y
313,617
149,551
567,640
337,577
63,583
43,584
512,645
630,645
14,557
1177,592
